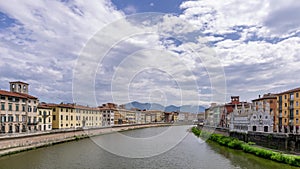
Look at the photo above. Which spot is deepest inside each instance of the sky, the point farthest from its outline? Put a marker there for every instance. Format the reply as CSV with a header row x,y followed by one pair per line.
x,y
169,52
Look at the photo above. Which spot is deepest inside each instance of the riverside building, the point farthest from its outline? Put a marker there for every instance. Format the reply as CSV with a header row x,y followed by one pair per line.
x,y
287,116
18,112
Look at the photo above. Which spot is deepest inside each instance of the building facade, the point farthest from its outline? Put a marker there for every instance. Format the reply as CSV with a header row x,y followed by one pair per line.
x,y
108,113
256,119
268,100
73,116
44,117
287,114
18,111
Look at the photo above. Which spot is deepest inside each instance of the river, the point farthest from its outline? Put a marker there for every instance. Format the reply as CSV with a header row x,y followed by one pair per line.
x,y
189,152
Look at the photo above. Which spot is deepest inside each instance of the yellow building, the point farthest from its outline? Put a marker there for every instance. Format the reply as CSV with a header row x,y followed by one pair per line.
x,y
155,115
124,116
65,116
88,117
288,110
44,117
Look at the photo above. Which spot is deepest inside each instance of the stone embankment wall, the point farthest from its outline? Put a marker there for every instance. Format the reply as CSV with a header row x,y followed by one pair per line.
x,y
277,141
22,142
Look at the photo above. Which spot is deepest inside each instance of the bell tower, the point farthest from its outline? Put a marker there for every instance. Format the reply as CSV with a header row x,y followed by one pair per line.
x,y
19,87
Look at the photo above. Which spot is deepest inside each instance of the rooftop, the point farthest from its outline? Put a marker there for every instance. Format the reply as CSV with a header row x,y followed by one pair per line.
x,y
14,94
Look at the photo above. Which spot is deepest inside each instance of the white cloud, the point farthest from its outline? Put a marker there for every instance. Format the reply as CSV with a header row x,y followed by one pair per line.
x,y
42,44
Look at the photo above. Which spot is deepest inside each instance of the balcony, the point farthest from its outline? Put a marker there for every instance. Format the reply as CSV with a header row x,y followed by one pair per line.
x,y
33,123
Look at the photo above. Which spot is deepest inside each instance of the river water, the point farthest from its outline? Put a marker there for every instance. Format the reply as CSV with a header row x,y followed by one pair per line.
x,y
189,152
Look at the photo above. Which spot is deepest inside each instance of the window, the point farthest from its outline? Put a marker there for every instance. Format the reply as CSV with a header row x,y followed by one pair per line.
x,y
17,107
9,107
297,112
34,109
285,104
266,128
2,106
54,117
40,120
23,118
23,100
285,120
53,109
297,121
67,117
71,117
3,118
297,95
23,107
61,117
61,109
40,113
49,120
297,103
17,118
29,109
2,97
67,110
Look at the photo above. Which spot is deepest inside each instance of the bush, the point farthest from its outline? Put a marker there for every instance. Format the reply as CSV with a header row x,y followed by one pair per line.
x,y
235,144
249,148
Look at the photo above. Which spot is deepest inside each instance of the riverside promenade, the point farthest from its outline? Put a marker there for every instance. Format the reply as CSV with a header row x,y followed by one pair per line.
x,y
10,144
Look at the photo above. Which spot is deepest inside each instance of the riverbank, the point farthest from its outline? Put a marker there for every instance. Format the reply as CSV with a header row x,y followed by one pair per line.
x,y
19,143
249,147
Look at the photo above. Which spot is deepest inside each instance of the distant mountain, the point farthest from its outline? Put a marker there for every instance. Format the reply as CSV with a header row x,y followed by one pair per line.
x,y
171,108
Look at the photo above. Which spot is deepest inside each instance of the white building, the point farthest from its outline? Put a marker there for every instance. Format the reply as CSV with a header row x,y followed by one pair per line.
x,y
251,120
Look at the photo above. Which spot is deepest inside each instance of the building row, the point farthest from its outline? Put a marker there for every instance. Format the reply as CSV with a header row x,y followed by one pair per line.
x,y
279,112
21,112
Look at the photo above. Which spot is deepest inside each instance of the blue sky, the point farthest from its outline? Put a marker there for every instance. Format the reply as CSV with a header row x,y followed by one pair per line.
x,y
135,6
208,49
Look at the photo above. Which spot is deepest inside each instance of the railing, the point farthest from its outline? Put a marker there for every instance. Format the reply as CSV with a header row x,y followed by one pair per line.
x,y
33,123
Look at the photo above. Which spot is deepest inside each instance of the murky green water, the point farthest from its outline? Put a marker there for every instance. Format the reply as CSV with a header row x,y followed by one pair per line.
x,y
191,152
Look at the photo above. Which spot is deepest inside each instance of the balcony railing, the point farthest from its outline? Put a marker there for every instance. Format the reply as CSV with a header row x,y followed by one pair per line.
x,y
33,123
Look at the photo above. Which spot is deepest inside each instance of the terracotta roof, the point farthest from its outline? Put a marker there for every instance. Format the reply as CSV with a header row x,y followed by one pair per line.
x,y
19,82
15,94
44,106
289,91
266,96
27,96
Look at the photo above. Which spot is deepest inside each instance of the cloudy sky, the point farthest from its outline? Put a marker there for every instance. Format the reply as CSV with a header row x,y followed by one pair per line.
x,y
169,52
